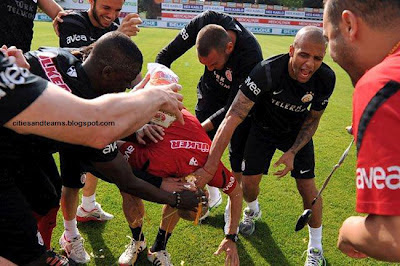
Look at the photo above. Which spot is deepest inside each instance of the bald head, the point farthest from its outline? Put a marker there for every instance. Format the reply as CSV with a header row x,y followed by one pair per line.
x,y
309,34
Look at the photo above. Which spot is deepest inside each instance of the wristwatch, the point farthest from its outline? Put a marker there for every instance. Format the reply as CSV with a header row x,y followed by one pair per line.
x,y
233,237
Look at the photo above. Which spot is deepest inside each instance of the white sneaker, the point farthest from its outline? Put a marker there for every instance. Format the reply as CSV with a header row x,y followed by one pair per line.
x,y
97,214
248,225
74,249
213,203
159,258
314,257
131,252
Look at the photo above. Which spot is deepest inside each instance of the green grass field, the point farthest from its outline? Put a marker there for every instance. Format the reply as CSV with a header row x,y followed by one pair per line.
x,y
275,242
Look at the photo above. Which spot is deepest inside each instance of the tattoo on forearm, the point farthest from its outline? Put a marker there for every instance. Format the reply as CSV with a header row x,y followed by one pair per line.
x,y
241,106
307,130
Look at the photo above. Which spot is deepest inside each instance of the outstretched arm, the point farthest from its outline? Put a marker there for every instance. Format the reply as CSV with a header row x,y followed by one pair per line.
x,y
128,112
239,110
305,134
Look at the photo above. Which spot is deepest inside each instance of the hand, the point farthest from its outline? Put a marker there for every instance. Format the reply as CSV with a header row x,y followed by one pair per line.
x,y
129,24
202,177
176,184
141,84
172,99
153,132
207,125
58,19
287,159
16,56
190,200
232,257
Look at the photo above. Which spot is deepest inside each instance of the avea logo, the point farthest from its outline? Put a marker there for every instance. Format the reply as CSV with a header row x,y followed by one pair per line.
x,y
378,178
110,148
12,76
128,152
252,86
76,38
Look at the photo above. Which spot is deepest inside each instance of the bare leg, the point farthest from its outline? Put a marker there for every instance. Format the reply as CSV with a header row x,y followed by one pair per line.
x,y
133,209
374,236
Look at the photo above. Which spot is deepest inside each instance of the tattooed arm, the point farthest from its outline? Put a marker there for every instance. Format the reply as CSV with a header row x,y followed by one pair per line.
x,y
305,134
238,111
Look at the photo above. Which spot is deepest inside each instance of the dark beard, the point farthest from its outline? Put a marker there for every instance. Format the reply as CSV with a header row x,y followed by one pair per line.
x,y
96,17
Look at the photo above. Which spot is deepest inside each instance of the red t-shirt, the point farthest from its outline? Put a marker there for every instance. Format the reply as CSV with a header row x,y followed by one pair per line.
x,y
378,161
183,150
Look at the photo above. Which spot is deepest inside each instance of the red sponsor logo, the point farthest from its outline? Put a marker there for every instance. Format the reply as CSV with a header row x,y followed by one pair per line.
x,y
190,145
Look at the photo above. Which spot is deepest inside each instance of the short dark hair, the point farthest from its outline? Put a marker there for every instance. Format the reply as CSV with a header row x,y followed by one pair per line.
x,y
210,37
376,13
117,50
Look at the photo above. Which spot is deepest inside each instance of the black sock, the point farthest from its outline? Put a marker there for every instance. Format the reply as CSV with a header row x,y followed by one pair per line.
x,y
161,241
137,233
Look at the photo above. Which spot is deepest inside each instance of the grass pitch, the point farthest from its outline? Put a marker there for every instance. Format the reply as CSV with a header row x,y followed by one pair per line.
x,y
275,242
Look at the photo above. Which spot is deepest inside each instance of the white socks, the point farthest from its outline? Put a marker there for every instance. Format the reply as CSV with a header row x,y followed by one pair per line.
x,y
315,237
88,203
70,229
254,206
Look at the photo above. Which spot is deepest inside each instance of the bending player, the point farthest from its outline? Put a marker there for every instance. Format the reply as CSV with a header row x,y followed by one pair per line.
x,y
183,150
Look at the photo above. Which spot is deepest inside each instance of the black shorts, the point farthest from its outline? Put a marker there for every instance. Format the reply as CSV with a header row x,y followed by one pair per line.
x,y
21,241
261,146
72,173
41,185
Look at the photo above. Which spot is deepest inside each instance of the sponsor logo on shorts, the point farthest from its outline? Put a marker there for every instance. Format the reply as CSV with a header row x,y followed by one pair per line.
x,y
304,171
110,148
76,38
128,152
378,178
230,184
252,86
189,145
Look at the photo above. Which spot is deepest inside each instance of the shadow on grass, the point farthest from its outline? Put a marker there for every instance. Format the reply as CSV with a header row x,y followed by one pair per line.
x,y
93,231
262,241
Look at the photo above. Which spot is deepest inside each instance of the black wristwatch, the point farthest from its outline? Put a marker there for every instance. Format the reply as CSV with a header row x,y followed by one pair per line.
x,y
233,237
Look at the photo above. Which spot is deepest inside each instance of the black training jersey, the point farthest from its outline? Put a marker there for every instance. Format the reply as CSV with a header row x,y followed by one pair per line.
x,y
16,23
18,89
218,86
62,68
77,30
281,103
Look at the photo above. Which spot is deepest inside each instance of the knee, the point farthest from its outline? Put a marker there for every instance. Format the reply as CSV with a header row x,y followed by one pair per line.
x,y
307,188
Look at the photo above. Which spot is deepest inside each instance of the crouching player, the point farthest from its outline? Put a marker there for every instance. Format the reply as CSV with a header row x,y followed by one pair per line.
x,y
183,150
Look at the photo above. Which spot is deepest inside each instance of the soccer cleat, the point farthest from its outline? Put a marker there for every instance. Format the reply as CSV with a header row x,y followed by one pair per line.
x,y
314,257
248,225
97,214
213,203
74,249
131,252
159,258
